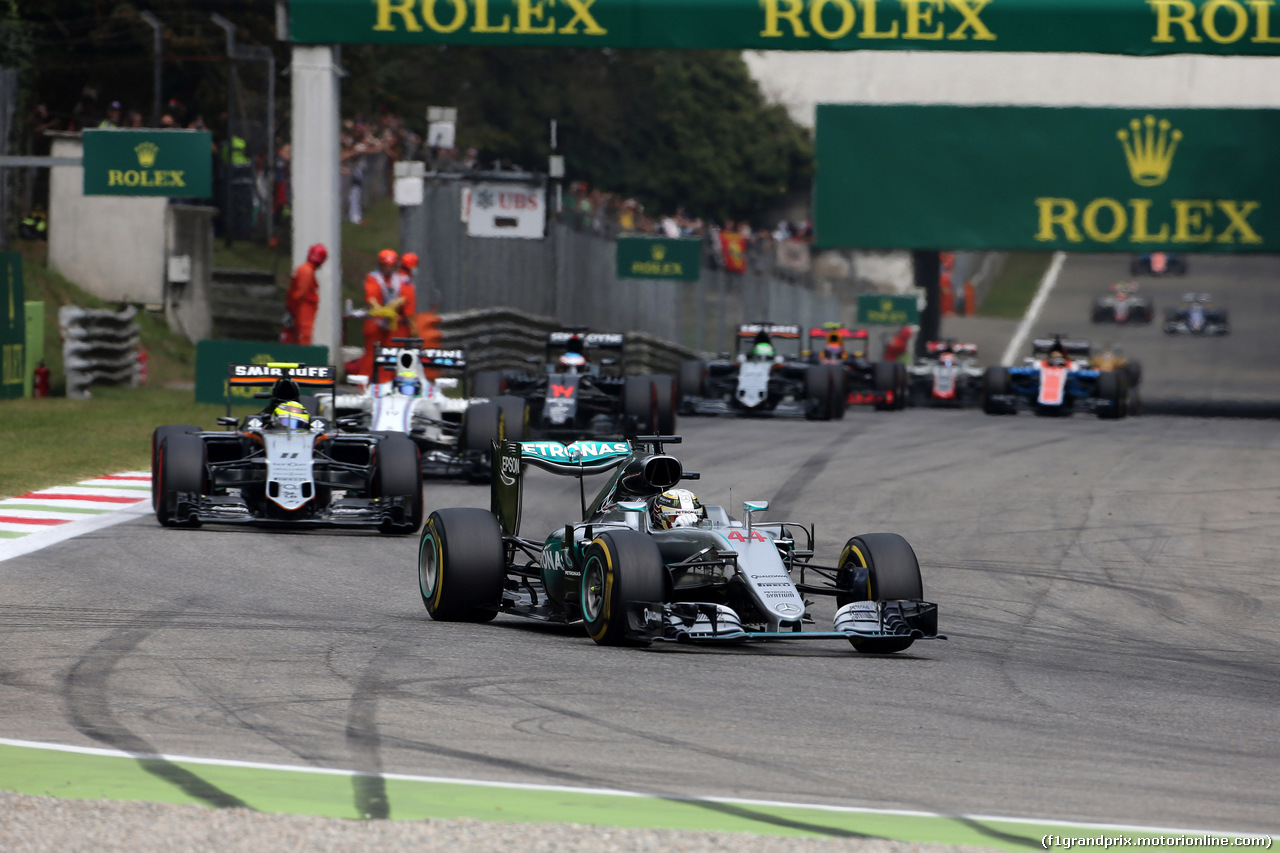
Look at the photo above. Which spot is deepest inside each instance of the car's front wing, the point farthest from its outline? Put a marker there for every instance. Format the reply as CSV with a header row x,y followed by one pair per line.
x,y
343,512
697,622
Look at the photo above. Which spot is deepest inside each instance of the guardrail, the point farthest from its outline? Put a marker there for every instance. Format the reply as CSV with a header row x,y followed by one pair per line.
x,y
100,347
504,339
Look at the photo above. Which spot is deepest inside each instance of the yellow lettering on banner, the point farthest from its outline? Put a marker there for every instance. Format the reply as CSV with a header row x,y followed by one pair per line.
x,y
773,13
1166,17
177,179
1057,211
970,9
1189,214
869,23
131,178
459,16
921,12
403,8
1209,20
580,13
482,20
1262,11
1140,233
1237,215
846,18
114,177
526,12
1119,220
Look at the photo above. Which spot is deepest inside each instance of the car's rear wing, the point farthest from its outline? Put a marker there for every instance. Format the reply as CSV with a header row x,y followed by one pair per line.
x,y
287,379
773,330
402,357
1044,346
935,347
591,340
573,460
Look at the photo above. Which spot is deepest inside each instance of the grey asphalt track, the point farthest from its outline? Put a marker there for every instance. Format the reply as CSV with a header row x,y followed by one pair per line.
x,y
1110,591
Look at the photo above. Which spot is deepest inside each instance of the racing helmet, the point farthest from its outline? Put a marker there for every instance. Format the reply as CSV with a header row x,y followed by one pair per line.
x,y
947,357
291,414
407,383
676,508
1057,358
833,353
763,350
573,361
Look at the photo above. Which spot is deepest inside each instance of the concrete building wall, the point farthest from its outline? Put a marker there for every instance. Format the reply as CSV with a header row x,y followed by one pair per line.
x,y
112,246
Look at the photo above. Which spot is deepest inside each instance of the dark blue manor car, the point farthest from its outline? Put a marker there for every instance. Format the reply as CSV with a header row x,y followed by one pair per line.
x,y
1055,380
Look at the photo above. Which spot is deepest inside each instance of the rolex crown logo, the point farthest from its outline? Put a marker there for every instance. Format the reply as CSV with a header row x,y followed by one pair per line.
x,y
659,251
1148,147
146,152
886,305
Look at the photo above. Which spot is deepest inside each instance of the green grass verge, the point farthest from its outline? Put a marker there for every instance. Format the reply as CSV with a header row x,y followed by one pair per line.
x,y
60,440
1015,285
282,790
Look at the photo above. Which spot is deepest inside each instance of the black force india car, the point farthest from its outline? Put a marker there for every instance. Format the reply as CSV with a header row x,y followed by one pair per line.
x,y
285,465
404,394
1123,305
632,575
882,384
948,375
1057,379
577,396
1196,316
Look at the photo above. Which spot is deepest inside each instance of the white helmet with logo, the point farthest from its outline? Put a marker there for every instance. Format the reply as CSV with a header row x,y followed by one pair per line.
x,y
676,508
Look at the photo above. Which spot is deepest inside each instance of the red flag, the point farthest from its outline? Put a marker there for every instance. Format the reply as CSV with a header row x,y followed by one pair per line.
x,y
733,247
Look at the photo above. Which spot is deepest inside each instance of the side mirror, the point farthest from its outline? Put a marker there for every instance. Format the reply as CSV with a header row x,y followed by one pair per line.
x,y
224,420
634,513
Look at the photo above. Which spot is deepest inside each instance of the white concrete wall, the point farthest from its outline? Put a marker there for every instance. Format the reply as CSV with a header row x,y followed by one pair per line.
x,y
112,246
801,79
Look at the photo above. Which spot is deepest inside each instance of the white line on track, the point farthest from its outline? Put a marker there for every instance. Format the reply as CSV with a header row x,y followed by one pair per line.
x,y
1033,310
610,792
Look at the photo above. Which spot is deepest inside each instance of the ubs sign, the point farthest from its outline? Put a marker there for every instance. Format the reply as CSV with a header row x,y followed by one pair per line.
x,y
1043,178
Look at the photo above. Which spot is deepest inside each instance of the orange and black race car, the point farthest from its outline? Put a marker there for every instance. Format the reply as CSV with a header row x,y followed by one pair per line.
x,y
883,384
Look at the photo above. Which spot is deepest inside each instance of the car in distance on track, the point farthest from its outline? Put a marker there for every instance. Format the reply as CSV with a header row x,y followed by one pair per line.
x,y
760,380
285,465
454,435
1123,305
1158,263
882,384
1196,316
948,375
1057,379
576,396
646,564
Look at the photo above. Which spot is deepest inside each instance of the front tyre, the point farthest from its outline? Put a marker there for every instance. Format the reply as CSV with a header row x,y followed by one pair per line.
x,y
179,468
461,565
622,568
398,474
879,567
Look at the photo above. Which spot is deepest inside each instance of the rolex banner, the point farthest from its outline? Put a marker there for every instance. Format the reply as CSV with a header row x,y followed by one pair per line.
x,y
177,163
1039,178
658,257
1139,27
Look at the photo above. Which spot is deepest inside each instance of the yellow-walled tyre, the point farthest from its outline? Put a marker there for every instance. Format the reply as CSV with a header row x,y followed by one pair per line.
x,y
622,567
461,565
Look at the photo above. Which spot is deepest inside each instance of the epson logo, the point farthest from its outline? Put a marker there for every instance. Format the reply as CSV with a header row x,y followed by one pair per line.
x,y
510,465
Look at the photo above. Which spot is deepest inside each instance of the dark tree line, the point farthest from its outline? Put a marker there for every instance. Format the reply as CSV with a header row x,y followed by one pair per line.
x,y
670,128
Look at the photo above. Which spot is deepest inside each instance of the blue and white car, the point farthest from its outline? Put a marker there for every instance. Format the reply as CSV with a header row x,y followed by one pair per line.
x,y
1057,379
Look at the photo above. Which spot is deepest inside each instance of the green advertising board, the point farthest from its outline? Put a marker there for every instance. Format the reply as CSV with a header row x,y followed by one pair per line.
x,y
883,309
655,257
214,356
175,163
1139,27
35,345
1040,178
13,328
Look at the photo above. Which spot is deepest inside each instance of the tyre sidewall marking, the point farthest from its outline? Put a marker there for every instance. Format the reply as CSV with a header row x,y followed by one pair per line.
x,y
606,604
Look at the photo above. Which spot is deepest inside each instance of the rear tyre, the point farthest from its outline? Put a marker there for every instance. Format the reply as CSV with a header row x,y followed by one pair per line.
x,y
995,384
640,405
398,474
157,438
1113,389
515,417
487,383
622,568
1099,312
482,425
885,376
180,467
817,387
664,394
693,375
838,397
879,567
461,565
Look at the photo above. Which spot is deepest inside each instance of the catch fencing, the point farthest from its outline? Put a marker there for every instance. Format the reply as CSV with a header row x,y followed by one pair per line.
x,y
570,275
